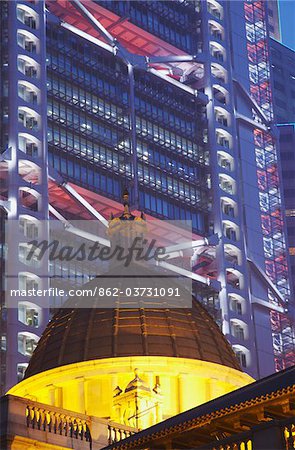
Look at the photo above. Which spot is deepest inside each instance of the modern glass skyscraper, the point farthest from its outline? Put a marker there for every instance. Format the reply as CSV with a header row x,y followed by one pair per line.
x,y
173,100
283,66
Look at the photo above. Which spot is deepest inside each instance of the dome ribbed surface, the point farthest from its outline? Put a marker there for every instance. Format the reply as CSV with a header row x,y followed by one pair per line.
x,y
75,335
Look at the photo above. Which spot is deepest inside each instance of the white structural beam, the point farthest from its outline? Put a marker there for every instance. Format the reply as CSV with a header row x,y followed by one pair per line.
x,y
94,238
131,58
85,203
174,59
6,205
262,275
252,102
60,217
55,176
96,24
210,241
89,38
251,122
188,274
173,81
77,231
6,155
267,305
186,245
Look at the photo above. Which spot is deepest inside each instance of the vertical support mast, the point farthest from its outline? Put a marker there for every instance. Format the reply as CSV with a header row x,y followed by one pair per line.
x,y
133,134
227,208
27,143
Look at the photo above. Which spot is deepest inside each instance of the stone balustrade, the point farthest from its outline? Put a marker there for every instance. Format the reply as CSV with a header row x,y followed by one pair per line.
x,y
118,432
25,420
58,423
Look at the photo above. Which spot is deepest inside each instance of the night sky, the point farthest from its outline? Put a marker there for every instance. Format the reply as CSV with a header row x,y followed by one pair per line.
x,y
287,16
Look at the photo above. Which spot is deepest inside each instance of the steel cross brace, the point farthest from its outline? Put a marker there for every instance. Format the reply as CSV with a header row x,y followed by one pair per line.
x,y
119,50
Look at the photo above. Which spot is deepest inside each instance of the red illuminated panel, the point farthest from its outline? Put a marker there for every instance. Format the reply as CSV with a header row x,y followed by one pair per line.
x,y
132,37
60,199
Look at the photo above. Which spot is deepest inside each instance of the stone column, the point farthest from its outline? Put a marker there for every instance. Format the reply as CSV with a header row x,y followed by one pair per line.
x,y
81,395
114,381
51,395
58,397
181,391
86,405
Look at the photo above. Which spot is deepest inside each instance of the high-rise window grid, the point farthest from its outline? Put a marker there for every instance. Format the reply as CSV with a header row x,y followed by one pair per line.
x,y
268,178
173,22
89,117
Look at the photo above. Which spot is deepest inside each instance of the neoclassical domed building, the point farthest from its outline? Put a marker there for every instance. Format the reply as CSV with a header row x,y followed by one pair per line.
x,y
139,375
136,366
86,360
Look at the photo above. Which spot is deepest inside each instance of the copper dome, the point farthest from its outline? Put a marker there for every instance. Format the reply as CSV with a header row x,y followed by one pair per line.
x,y
75,335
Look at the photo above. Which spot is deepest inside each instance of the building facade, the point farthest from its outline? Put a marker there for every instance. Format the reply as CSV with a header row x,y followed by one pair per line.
x,y
274,24
79,391
287,155
283,67
172,100
121,366
26,422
